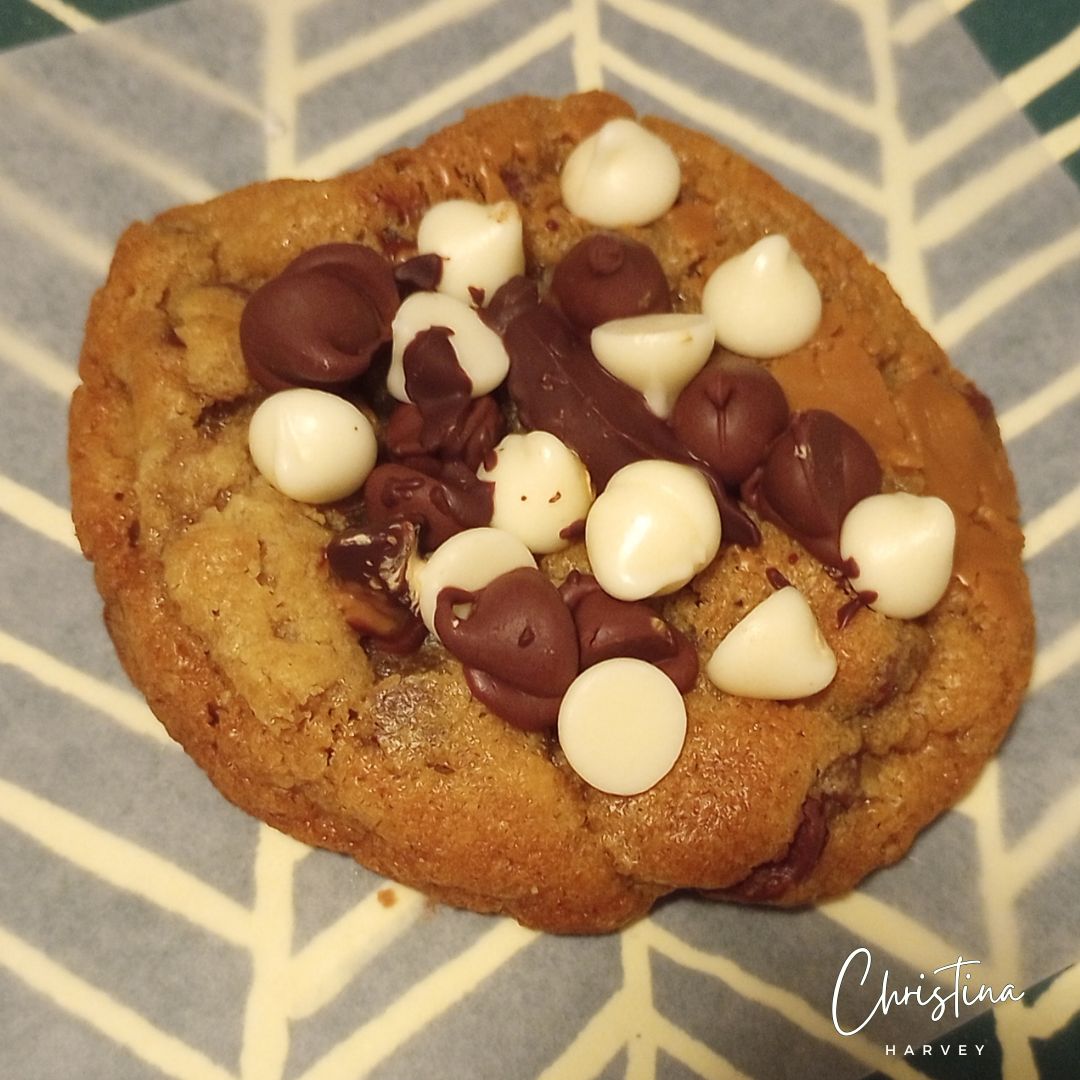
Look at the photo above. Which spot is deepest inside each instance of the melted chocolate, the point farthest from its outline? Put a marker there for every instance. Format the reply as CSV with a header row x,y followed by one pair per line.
x,y
523,641
771,880
442,498
477,430
421,273
518,641
515,297
847,612
607,276
525,711
438,385
815,472
607,627
442,418
320,321
560,387
775,578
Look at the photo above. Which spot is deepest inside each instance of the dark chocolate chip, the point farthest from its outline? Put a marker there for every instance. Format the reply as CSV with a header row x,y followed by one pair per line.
x,y
814,473
320,321
377,558
729,414
607,276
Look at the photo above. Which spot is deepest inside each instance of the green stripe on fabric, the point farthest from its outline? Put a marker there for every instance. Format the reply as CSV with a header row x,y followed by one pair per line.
x,y
971,1050
22,23
1012,32
104,10
1072,165
1055,106
1056,1056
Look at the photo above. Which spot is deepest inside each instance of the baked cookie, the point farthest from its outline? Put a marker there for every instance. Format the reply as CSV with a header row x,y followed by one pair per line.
x,y
552,517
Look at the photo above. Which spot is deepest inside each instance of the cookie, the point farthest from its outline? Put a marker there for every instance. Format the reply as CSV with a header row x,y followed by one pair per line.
x,y
552,517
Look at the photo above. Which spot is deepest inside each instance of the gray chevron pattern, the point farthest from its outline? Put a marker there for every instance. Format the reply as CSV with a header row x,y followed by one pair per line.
x,y
147,929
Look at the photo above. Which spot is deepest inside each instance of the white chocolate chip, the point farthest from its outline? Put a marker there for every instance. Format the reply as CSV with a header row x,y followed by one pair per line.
x,y
902,545
620,175
622,725
468,560
541,488
479,349
480,245
655,354
312,446
763,303
652,529
776,652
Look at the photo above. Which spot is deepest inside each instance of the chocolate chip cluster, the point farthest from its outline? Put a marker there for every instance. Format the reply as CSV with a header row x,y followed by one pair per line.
x,y
730,423
530,412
